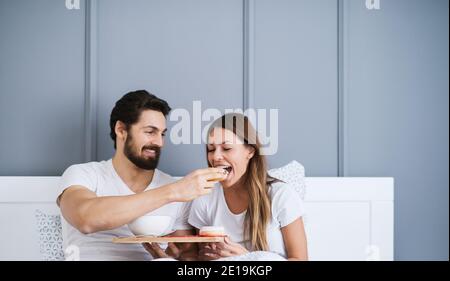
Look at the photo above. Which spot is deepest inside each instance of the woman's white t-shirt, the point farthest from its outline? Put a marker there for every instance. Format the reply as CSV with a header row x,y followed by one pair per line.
x,y
103,180
212,210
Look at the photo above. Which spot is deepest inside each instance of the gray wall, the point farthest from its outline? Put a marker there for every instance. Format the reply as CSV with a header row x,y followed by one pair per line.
x,y
360,92
178,51
295,70
41,87
396,106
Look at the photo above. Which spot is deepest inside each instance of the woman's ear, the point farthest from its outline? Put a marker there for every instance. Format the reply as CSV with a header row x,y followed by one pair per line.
x,y
251,152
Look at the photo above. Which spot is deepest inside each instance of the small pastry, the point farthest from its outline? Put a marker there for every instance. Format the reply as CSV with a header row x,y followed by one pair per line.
x,y
212,231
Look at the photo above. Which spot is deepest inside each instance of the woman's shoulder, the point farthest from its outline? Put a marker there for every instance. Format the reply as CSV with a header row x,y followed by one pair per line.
x,y
286,203
279,186
280,191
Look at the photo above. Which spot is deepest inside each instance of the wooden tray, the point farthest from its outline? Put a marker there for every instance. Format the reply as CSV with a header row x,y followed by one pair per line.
x,y
166,239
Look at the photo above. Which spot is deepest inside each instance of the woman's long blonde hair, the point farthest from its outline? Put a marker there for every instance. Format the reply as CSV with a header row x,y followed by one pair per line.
x,y
256,179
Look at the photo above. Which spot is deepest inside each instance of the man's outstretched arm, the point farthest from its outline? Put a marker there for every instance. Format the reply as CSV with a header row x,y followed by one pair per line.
x,y
89,213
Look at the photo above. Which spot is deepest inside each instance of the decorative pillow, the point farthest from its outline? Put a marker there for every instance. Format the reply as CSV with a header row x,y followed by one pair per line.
x,y
50,236
293,174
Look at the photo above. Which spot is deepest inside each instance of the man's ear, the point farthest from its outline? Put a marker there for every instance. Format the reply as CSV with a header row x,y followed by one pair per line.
x,y
121,130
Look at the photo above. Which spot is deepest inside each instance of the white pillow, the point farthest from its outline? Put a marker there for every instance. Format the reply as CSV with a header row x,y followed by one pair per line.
x,y
50,236
293,174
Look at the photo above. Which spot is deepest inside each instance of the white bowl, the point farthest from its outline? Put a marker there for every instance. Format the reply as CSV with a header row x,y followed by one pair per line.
x,y
151,225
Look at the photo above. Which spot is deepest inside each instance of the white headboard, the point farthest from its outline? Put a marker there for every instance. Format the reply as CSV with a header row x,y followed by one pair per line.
x,y
347,218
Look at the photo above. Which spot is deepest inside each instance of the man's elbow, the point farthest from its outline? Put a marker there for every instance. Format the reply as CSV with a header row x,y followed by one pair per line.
x,y
86,229
80,219
87,225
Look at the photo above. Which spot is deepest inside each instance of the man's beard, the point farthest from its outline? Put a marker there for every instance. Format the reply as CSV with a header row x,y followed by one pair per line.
x,y
142,162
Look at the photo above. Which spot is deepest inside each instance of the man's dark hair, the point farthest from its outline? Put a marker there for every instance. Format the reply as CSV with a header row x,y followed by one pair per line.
x,y
129,108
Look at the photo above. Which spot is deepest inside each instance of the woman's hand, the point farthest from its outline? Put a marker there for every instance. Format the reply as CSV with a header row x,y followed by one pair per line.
x,y
228,248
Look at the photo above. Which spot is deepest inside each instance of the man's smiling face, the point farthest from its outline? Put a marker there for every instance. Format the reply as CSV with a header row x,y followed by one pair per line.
x,y
145,139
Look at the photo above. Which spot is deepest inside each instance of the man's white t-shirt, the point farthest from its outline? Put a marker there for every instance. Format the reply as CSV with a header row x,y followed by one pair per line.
x,y
102,178
212,210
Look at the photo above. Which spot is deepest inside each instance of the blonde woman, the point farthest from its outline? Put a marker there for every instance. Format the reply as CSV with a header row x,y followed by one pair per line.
x,y
258,212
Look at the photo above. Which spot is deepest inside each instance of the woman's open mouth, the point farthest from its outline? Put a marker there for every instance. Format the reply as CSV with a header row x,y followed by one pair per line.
x,y
225,167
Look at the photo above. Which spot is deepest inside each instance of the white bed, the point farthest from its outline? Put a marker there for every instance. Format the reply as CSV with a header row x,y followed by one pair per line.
x,y
347,218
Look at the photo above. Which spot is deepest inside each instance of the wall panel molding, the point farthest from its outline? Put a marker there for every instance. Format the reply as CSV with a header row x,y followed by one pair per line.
x,y
343,68
249,54
90,114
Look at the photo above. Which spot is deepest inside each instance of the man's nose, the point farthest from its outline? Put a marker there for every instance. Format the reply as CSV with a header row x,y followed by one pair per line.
x,y
159,141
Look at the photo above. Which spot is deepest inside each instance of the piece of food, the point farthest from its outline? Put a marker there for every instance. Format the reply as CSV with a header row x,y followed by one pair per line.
x,y
226,171
212,231
227,168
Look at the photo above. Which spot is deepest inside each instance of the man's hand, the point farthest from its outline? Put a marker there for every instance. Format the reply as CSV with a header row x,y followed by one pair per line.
x,y
207,252
197,183
155,250
179,251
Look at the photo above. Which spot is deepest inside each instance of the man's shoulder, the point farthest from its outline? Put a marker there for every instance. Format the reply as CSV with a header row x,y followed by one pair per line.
x,y
90,175
93,167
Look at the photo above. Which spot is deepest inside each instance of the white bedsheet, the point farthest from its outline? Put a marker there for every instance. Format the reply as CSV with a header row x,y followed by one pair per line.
x,y
252,256
255,256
